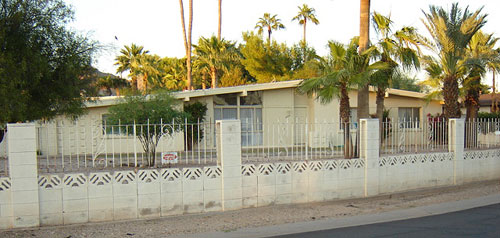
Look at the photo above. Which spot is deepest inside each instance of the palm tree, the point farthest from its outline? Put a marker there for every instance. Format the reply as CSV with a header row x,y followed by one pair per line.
x,y
187,40
364,39
270,23
220,21
129,60
215,54
398,49
481,56
345,68
452,32
306,13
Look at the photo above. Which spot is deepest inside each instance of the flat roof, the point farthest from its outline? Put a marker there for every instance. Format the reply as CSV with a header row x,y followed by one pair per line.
x,y
187,95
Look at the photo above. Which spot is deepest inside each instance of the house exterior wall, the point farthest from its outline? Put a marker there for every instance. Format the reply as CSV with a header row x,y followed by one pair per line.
x,y
283,106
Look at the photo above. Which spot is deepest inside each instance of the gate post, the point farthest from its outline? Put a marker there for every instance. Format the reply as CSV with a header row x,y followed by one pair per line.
x,y
369,152
23,171
456,141
229,158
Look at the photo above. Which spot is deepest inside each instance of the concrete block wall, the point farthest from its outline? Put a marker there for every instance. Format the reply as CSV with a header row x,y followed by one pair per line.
x,y
56,199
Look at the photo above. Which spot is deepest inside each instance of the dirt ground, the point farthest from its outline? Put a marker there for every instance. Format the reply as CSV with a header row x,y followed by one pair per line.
x,y
262,216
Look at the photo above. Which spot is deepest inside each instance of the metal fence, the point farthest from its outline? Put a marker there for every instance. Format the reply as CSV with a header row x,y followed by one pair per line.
x,y
482,133
399,136
96,146
4,161
298,140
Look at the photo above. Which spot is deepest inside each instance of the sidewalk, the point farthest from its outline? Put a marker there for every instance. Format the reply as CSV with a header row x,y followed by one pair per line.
x,y
333,223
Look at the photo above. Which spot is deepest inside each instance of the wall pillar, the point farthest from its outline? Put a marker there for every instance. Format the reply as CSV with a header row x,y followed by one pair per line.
x,y
456,135
23,174
229,158
369,152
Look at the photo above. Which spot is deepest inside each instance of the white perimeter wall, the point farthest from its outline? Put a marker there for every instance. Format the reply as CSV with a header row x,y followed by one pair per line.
x,y
152,193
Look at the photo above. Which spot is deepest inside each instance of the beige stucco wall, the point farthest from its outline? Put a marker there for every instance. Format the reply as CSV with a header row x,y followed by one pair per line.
x,y
280,108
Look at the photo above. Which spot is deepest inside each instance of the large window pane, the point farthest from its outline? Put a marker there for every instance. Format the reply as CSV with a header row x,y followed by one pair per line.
x,y
229,113
252,98
226,99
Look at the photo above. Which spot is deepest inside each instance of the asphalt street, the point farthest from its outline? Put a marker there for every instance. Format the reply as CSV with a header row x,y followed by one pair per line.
x,y
475,222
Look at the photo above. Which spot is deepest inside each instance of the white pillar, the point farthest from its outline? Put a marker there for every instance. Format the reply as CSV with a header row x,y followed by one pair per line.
x,y
229,158
456,135
369,152
23,174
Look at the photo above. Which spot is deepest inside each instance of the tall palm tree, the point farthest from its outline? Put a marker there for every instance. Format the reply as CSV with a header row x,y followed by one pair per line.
x,y
215,54
345,68
270,23
187,40
481,56
396,49
452,31
364,39
220,21
306,13
130,60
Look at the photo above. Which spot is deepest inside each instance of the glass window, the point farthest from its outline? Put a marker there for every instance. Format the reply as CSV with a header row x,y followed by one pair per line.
x,y
226,99
409,117
109,129
252,98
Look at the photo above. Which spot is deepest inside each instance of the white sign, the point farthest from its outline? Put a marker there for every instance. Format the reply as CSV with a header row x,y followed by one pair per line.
x,y
169,158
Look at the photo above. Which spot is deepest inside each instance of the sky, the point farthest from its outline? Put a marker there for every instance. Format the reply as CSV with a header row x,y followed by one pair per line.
x,y
156,24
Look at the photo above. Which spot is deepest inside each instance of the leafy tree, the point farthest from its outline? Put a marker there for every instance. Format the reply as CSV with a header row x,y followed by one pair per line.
x,y
269,23
44,67
196,113
265,62
215,55
305,14
149,114
451,31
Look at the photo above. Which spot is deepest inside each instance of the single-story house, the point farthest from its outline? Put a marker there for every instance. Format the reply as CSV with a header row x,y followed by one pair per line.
x,y
260,107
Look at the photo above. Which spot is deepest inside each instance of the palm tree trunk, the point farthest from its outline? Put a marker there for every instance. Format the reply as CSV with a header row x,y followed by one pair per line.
x,y
213,72
269,34
220,20
187,43
364,37
450,95
494,106
380,103
188,63
344,116
305,22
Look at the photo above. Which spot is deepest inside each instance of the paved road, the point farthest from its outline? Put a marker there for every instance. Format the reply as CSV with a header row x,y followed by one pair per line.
x,y
476,222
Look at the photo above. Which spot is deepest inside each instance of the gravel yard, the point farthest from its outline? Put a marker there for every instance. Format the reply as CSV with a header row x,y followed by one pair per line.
x,y
263,216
